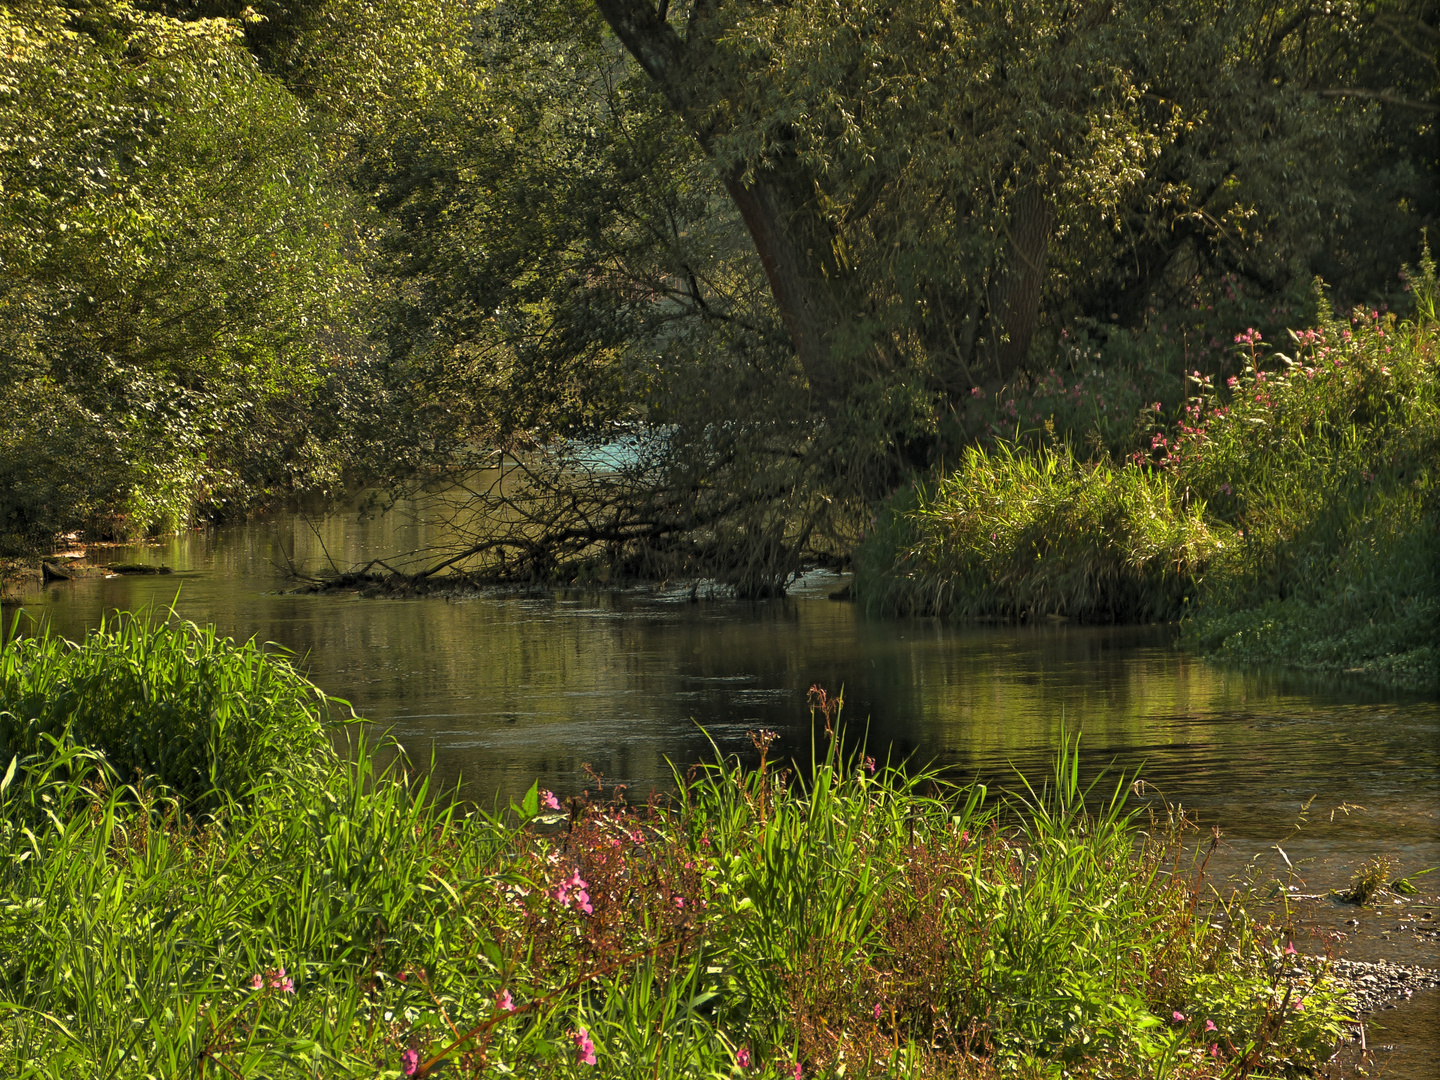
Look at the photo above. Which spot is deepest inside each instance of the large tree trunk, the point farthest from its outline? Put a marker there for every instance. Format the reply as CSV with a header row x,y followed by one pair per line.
x,y
801,277
1015,296
791,236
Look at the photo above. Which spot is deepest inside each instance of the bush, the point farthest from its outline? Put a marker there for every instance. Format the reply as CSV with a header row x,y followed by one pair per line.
x,y
166,701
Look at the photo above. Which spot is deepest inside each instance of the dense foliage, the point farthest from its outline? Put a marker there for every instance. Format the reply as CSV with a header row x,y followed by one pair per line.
x,y
849,921
1292,511
167,252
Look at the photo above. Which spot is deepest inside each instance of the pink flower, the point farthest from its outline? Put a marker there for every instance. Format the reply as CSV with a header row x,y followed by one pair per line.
x,y
1289,948
410,1062
584,1048
877,1010
572,890
257,981
1209,1025
742,1057
505,1003
548,800
679,902
1215,1050
1178,1016
870,764
280,981
1299,1006
796,1072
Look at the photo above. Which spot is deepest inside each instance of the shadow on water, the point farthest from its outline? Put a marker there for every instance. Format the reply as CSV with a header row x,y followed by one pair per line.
x,y
507,687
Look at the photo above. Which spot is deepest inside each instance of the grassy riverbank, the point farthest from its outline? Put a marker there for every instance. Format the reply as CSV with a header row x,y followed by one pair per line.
x,y
196,885
1288,516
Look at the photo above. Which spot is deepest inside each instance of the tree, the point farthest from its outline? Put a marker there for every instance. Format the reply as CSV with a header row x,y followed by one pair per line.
x,y
919,166
166,248
792,242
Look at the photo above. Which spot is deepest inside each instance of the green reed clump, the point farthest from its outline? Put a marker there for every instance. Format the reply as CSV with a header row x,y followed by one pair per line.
x,y
166,701
846,920
1020,534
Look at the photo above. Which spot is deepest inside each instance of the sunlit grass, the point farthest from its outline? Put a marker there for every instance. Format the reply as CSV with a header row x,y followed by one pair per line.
x,y
1015,534
1288,516
851,919
166,701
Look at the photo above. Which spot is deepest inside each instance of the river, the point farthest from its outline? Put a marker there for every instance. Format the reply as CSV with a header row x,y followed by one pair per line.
x,y
507,687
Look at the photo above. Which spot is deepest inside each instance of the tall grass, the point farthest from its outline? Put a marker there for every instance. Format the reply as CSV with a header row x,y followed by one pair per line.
x,y
172,703
847,920
1015,534
1291,512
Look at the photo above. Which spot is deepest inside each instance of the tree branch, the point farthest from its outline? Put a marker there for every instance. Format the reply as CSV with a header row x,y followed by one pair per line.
x,y
1383,97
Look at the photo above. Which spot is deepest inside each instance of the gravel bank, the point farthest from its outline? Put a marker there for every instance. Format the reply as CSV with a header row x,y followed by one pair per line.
x,y
1382,984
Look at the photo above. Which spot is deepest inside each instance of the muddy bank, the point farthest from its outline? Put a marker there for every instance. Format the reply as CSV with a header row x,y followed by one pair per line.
x,y
23,580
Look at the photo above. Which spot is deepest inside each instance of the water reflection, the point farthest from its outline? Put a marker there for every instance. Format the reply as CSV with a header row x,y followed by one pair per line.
x,y
506,688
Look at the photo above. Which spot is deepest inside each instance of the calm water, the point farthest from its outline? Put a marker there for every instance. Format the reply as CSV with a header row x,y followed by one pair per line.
x,y
506,688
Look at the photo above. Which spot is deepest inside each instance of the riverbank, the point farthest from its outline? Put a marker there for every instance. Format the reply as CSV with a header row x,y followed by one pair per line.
x,y
1290,517
22,579
262,903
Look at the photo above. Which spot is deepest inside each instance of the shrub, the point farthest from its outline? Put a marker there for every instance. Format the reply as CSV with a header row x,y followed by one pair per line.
x,y
164,700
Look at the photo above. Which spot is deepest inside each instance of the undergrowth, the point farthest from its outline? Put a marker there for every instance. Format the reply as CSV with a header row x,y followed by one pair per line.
x,y
1289,514
847,919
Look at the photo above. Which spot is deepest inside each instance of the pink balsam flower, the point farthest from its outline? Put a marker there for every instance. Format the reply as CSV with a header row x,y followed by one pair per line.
x,y
584,1047
505,1003
548,800
410,1062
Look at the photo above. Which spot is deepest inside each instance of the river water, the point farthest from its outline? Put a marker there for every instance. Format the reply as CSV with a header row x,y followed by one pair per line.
x,y
507,687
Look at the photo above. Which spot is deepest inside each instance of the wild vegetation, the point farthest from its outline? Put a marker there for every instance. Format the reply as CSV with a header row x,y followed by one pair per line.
x,y
1289,514
844,919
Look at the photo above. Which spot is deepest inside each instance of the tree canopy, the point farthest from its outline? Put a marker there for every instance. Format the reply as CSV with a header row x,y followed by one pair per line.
x,y
167,246
790,252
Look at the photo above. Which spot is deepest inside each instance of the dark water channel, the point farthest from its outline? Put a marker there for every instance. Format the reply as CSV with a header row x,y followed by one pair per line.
x,y
505,688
